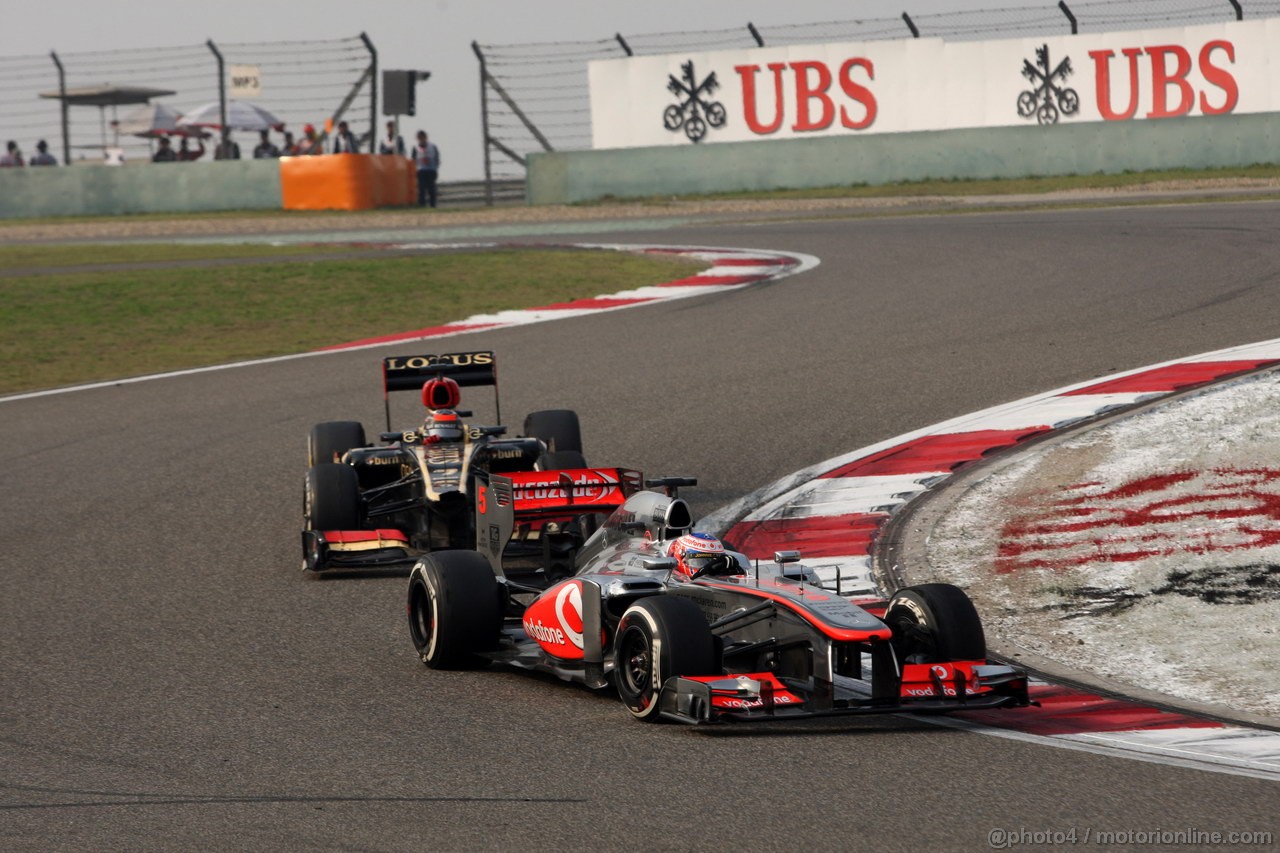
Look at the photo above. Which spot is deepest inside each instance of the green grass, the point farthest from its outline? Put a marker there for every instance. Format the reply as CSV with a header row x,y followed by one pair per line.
x,y
968,187
35,257
65,328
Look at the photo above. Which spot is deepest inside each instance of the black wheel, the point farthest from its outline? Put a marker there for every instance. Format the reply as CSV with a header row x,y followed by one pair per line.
x,y
672,117
454,608
934,623
328,441
559,460
659,637
716,114
331,500
1047,114
557,428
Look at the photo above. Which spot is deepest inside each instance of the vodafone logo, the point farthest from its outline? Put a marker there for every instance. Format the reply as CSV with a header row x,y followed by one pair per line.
x,y
569,611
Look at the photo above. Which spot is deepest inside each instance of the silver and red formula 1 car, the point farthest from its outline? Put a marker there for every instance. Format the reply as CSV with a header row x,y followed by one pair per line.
x,y
383,505
717,639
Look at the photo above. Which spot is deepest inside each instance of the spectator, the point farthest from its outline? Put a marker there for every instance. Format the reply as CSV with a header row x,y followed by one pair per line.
x,y
12,156
393,143
290,148
344,141
186,155
165,153
426,156
42,156
310,143
265,150
228,149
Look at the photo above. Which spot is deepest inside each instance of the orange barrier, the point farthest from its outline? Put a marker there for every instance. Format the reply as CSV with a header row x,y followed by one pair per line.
x,y
347,182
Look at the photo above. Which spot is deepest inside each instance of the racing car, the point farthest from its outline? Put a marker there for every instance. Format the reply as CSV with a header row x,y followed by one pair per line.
x,y
685,628
383,505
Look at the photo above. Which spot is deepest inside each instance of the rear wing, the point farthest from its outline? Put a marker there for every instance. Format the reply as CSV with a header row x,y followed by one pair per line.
x,y
468,369
546,495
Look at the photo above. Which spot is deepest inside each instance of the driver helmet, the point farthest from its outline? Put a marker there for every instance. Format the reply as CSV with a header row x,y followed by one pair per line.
x,y
701,554
443,425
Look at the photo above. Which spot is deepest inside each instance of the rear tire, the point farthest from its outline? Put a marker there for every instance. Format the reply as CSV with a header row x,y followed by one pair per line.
x,y
935,623
558,429
328,441
659,637
331,499
455,609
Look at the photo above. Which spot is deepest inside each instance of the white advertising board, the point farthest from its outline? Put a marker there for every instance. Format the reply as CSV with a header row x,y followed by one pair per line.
x,y
929,84
246,81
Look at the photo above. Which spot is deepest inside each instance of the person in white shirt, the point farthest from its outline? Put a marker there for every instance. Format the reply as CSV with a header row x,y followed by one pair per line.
x,y
392,143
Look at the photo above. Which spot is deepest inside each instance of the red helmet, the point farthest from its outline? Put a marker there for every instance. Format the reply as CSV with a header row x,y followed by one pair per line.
x,y
701,554
441,393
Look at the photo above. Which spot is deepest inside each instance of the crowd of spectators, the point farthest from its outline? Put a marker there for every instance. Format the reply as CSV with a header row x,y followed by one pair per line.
x,y
425,154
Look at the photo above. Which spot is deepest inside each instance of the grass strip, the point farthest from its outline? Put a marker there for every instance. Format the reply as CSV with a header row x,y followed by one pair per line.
x,y
61,329
36,256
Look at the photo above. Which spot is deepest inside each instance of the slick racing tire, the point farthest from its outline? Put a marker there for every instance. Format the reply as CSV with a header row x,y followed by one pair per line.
x,y
454,608
659,637
934,623
331,499
559,460
328,441
557,428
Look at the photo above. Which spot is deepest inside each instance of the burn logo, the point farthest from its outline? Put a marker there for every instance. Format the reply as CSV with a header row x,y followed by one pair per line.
x,y
1047,99
694,113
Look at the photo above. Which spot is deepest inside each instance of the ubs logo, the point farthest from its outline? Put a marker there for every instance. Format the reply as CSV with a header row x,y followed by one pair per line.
x,y
693,113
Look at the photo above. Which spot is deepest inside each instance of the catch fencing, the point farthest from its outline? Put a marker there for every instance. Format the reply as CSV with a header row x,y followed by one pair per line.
x,y
534,97
301,82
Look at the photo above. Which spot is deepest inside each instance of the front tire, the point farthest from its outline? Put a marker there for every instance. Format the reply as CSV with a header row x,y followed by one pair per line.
x,y
558,429
659,637
454,608
328,441
934,623
331,499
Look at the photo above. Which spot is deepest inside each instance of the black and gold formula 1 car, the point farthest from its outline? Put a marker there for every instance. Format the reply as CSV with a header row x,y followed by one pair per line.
x,y
709,639
383,505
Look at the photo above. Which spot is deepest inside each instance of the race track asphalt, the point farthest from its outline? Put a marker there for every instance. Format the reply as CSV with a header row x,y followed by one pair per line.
x,y
170,680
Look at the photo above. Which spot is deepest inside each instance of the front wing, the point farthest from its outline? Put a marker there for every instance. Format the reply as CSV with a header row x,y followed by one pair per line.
x,y
762,696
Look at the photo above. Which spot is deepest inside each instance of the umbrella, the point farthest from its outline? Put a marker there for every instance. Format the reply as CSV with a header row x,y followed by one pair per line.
x,y
150,121
240,116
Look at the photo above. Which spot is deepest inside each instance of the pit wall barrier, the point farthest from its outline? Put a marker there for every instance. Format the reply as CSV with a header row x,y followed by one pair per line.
x,y
345,182
564,177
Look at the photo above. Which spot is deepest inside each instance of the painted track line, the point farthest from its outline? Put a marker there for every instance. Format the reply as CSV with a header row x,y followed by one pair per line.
x,y
834,510
731,269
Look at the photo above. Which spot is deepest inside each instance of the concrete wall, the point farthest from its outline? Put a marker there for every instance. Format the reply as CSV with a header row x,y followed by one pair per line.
x,y
1012,152
139,188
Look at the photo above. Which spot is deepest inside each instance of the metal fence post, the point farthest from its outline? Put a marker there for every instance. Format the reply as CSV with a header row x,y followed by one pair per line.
x,y
373,92
1235,4
484,125
624,44
755,34
911,25
222,95
62,97
1075,29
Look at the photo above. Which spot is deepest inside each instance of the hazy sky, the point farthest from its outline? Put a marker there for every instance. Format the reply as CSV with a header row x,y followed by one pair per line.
x,y
426,34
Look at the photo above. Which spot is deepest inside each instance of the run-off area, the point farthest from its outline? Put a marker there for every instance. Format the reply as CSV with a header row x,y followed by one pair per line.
x,y
1146,550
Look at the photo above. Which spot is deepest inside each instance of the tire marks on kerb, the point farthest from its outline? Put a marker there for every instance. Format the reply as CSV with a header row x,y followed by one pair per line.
x,y
834,510
731,269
